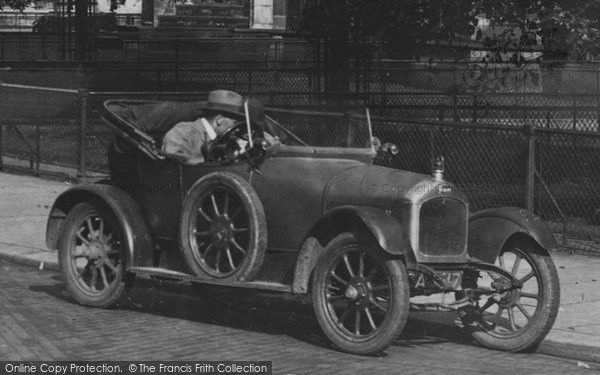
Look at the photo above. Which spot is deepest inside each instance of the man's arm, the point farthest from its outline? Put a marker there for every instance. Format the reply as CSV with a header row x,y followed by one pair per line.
x,y
184,142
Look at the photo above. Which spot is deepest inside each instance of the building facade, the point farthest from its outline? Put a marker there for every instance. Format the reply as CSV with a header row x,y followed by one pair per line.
x,y
252,14
242,14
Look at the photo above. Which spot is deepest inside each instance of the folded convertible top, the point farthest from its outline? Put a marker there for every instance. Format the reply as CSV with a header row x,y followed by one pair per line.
x,y
153,117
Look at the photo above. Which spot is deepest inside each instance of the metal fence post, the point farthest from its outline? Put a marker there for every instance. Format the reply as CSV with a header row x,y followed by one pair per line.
x,y
356,75
530,174
38,148
20,46
474,108
383,80
574,113
2,97
249,76
1,147
176,60
431,147
455,96
598,99
366,76
83,97
44,56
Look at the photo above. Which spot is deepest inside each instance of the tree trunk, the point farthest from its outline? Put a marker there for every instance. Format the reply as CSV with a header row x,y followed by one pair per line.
x,y
337,48
82,29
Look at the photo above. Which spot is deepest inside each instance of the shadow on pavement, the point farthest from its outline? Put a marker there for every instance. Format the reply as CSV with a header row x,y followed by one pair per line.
x,y
246,309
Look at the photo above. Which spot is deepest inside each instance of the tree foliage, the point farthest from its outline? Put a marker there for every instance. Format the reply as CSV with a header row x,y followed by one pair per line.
x,y
567,27
19,5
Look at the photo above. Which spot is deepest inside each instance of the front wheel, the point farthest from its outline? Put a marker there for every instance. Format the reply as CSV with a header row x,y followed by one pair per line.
x,y
361,298
517,320
91,256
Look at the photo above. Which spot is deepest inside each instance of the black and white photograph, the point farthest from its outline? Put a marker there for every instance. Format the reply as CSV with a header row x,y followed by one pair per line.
x,y
299,187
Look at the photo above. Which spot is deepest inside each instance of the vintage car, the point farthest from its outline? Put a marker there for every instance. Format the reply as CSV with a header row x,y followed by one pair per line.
x,y
304,210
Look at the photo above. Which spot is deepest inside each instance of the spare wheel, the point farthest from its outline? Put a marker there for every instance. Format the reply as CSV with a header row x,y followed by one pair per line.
x,y
223,230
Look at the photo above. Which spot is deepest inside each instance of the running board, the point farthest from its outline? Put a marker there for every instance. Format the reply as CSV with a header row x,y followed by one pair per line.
x,y
180,276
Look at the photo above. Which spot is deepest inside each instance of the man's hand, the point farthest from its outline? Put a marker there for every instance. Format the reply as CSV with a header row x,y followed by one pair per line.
x,y
242,144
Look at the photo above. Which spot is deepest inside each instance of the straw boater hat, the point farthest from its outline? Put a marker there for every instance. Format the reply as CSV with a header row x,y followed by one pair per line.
x,y
225,102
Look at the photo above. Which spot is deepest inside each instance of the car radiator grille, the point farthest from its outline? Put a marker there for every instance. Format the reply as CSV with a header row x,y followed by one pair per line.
x,y
443,223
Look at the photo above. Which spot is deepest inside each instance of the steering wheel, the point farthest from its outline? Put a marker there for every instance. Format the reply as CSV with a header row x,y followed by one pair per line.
x,y
226,147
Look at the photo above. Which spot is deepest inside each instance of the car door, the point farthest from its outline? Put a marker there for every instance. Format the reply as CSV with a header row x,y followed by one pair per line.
x,y
159,193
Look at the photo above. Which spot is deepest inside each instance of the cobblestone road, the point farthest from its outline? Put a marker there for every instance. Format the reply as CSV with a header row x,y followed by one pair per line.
x,y
165,321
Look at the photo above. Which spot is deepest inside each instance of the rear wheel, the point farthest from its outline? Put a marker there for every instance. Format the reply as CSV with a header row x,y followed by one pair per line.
x,y
519,319
91,256
360,297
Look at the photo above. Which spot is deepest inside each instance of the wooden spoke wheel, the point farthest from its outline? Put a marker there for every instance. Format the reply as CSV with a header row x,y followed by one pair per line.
x,y
518,319
91,256
223,228
361,298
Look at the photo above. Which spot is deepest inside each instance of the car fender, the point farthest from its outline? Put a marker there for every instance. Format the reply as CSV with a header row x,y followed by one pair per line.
x,y
137,236
490,229
385,229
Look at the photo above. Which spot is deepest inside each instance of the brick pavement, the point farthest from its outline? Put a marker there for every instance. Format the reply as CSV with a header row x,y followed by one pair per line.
x,y
158,322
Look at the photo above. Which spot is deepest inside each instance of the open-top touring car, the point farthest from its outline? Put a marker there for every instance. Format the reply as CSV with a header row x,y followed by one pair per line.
x,y
304,210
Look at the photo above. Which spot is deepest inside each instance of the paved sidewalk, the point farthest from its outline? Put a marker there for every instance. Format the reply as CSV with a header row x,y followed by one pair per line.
x,y
25,203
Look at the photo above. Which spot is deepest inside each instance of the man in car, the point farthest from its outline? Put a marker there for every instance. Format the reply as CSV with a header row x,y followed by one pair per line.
x,y
184,141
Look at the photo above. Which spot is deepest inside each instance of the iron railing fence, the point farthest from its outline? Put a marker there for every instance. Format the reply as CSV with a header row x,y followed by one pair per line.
x,y
172,76
247,76
552,111
300,83
40,128
465,77
487,162
374,77
272,75
30,47
25,20
568,170
553,171
140,47
579,112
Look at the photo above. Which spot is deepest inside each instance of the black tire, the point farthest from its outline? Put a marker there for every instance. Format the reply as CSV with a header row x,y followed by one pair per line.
x,y
356,278
517,323
223,229
91,256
